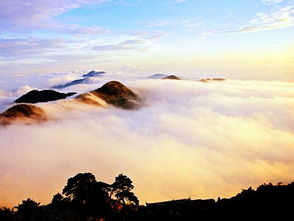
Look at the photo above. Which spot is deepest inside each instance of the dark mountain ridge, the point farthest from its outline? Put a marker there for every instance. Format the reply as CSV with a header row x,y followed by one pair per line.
x,y
172,77
85,80
36,96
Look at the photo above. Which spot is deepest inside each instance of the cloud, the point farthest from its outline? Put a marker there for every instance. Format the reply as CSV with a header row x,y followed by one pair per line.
x,y
27,47
191,139
93,30
161,23
28,50
151,35
180,1
71,29
272,2
280,18
176,1
191,24
125,45
18,15
171,23
42,50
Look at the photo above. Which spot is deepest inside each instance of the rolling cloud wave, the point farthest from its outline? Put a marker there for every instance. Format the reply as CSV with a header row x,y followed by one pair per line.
x,y
191,139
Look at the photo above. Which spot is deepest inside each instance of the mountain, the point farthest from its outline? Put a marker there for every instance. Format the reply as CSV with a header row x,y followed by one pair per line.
x,y
114,93
84,80
25,113
171,77
156,76
74,82
94,74
36,96
212,79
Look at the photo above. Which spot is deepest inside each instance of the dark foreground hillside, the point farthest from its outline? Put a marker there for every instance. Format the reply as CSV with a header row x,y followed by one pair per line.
x,y
86,199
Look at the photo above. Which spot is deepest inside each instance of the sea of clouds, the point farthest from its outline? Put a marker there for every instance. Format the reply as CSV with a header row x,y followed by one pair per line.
x,y
191,139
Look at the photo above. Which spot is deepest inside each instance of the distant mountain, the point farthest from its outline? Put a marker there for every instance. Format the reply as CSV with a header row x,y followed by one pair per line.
x,y
74,82
36,96
26,113
156,76
171,77
84,80
212,79
94,74
114,93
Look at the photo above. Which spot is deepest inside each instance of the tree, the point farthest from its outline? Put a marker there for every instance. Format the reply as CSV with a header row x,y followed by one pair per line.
x,y
7,214
86,194
77,188
28,209
57,198
59,202
121,188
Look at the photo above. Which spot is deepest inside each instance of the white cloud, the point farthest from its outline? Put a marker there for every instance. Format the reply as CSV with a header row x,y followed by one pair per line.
x,y
180,1
278,19
171,23
152,35
272,2
125,45
161,23
191,139
191,24
26,15
27,47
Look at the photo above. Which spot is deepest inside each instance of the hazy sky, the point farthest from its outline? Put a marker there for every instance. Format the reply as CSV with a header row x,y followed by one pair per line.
x,y
247,39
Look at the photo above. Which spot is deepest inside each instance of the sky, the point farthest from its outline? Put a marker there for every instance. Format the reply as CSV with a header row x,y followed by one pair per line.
x,y
235,39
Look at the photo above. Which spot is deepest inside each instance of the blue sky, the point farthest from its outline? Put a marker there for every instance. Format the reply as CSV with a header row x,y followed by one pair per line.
x,y
246,39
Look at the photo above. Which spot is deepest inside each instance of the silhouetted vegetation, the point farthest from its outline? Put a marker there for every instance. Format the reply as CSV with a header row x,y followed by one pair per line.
x,y
86,199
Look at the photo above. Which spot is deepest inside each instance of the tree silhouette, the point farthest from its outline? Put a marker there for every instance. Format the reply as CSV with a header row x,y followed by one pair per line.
x,y
57,198
7,214
87,195
85,199
121,188
28,209
77,188
59,202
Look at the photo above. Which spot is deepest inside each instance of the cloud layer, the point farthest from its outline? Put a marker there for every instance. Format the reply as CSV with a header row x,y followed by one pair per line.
x,y
191,139
17,48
